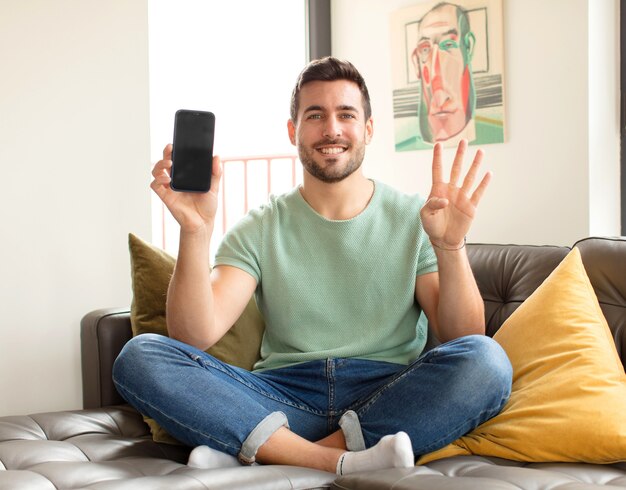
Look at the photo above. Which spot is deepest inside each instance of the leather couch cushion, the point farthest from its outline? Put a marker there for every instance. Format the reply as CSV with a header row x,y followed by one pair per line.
x,y
569,386
508,274
110,448
480,473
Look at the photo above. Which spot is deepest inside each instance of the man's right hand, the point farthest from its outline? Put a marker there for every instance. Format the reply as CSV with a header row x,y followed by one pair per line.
x,y
192,210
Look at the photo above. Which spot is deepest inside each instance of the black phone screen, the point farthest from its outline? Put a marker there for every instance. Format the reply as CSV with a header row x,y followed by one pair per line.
x,y
192,153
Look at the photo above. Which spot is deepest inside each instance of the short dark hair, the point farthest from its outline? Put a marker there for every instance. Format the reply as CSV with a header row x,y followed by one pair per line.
x,y
329,69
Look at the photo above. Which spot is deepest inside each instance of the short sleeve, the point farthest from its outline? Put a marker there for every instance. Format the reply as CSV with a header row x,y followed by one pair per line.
x,y
241,246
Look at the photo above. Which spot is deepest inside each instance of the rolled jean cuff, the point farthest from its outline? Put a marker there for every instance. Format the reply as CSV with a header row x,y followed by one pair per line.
x,y
352,433
259,436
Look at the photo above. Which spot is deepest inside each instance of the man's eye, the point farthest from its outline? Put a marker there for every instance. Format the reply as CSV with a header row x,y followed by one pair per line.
x,y
347,116
314,116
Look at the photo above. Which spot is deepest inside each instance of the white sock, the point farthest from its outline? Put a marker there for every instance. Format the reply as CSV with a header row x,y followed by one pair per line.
x,y
392,451
204,457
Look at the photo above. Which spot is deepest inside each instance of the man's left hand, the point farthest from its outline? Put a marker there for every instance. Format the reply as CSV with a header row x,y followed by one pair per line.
x,y
449,211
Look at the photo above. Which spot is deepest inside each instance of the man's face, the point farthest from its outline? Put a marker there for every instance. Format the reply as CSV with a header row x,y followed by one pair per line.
x,y
446,78
331,130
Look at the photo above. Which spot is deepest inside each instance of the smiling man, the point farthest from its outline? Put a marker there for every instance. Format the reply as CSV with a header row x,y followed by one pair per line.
x,y
442,61
341,268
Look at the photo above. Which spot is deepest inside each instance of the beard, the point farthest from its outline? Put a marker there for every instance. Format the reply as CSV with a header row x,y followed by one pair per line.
x,y
331,173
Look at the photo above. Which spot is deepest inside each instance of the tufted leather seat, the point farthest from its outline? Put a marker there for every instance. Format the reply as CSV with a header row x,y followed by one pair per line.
x,y
475,472
108,446
111,448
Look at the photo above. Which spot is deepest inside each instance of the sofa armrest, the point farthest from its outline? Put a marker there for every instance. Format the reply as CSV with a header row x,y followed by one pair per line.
x,y
103,333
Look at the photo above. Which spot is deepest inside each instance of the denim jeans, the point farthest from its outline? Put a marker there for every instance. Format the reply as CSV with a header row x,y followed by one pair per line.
x,y
200,400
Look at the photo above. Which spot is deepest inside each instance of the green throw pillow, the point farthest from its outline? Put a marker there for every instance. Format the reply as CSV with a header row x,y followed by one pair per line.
x,y
151,269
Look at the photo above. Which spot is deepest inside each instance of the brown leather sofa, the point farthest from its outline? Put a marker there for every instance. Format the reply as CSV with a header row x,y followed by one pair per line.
x,y
106,445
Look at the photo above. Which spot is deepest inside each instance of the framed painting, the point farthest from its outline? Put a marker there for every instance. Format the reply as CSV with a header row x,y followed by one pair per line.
x,y
447,72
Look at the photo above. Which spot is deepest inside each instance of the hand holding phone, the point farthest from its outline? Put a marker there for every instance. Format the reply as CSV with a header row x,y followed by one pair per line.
x,y
192,153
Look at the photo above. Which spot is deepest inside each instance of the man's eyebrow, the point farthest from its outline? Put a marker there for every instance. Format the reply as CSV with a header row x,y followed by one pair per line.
x,y
313,108
343,107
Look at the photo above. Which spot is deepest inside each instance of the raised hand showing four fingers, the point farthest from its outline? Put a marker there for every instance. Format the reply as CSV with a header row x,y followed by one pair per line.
x,y
450,210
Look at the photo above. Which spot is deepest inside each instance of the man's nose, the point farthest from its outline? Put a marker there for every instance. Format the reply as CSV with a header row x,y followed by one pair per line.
x,y
332,128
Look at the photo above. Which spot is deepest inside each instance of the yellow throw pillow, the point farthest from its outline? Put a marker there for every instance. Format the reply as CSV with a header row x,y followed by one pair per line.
x,y
569,388
151,269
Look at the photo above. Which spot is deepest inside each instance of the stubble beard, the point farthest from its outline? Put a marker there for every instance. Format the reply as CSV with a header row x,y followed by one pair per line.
x,y
330,174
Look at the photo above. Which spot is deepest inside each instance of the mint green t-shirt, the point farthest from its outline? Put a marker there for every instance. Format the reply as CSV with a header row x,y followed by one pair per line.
x,y
334,289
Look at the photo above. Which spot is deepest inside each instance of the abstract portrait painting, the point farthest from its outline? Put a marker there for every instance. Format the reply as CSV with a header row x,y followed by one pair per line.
x,y
447,72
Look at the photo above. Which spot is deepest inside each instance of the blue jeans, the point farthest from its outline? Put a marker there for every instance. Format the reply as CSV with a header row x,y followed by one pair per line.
x,y
200,400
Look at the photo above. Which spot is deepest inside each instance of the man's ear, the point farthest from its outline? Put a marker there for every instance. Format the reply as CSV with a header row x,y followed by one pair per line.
x,y
291,127
369,130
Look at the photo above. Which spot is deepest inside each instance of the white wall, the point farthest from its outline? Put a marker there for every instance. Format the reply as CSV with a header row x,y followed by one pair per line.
x,y
556,178
74,147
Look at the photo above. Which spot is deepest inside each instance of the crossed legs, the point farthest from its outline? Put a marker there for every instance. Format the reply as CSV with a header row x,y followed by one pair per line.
x,y
438,398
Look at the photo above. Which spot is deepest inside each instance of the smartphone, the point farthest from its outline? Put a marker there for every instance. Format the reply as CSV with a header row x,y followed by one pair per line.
x,y
192,153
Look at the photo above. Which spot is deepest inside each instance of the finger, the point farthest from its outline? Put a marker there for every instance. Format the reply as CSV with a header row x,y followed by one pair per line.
x,y
162,179
468,182
159,189
435,204
167,152
216,174
437,171
161,167
480,190
458,162
160,173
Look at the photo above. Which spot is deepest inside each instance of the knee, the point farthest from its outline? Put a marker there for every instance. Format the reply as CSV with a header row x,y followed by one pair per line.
x,y
134,355
489,364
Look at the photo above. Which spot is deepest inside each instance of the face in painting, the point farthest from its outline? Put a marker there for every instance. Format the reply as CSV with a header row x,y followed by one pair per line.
x,y
442,60
331,130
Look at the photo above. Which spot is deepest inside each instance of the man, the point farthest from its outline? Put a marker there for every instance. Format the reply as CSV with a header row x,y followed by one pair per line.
x,y
442,61
341,267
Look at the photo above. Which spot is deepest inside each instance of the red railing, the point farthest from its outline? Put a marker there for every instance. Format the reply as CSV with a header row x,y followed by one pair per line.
x,y
268,162
246,182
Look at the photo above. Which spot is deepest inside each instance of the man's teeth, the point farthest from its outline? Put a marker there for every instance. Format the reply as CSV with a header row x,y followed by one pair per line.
x,y
331,151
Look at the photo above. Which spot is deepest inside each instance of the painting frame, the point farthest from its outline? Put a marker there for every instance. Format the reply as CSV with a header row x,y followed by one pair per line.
x,y
448,73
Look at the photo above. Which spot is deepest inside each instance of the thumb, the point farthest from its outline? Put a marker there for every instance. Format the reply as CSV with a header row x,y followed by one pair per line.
x,y
436,203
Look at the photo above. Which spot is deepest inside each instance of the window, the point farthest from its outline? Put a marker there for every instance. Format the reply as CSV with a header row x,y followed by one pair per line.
x,y
238,59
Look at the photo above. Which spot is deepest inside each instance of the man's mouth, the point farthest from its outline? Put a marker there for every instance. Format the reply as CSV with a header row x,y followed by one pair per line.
x,y
331,150
332,147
